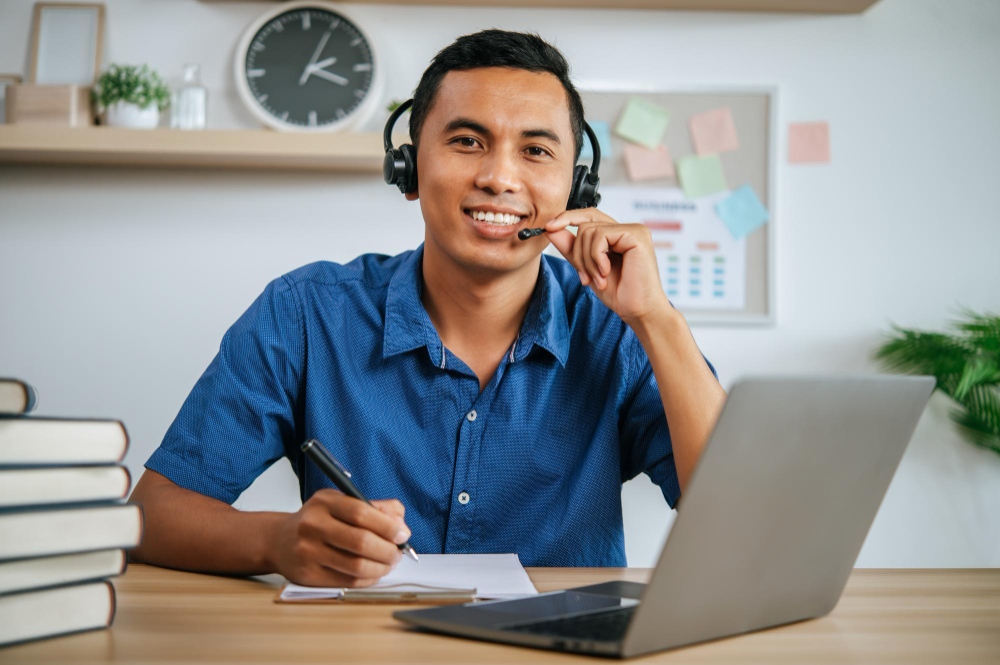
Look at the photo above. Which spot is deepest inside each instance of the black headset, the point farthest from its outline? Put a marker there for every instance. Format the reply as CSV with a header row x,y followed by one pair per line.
x,y
400,167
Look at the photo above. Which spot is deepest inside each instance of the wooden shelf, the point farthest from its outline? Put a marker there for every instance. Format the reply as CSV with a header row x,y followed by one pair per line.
x,y
214,148
807,6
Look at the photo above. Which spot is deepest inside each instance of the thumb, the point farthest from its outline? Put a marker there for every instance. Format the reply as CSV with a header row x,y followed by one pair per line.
x,y
563,241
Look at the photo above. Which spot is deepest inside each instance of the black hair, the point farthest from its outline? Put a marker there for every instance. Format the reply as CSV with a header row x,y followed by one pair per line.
x,y
496,48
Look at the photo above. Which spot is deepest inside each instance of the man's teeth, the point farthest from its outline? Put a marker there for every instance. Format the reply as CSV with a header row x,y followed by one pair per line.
x,y
495,218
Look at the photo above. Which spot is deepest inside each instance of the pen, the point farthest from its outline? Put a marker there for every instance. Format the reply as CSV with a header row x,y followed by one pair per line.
x,y
341,477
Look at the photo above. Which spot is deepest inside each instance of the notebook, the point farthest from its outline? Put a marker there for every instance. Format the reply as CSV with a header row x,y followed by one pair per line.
x,y
437,578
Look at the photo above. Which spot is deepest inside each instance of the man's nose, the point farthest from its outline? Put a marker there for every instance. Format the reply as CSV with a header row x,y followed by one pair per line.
x,y
499,173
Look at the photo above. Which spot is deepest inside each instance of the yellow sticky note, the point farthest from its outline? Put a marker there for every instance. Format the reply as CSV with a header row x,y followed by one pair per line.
x,y
643,122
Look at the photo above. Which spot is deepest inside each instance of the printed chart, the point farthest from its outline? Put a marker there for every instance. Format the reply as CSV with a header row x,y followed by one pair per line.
x,y
701,265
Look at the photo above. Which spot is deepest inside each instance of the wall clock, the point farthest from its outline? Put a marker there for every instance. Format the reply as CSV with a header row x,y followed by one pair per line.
x,y
307,66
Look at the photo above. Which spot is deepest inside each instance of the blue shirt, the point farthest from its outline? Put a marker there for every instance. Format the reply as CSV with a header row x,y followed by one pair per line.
x,y
347,354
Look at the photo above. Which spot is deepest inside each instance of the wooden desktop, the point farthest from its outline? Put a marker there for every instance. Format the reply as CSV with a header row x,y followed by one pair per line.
x,y
900,616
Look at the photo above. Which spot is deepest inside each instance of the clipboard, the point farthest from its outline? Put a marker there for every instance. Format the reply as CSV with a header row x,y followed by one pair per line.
x,y
406,594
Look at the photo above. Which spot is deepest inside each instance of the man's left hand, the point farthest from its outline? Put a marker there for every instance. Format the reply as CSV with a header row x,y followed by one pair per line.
x,y
616,260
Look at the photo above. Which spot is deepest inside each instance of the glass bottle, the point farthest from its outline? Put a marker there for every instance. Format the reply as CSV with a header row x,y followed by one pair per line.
x,y
188,109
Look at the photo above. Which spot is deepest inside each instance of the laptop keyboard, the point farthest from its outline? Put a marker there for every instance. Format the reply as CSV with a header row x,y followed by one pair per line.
x,y
598,626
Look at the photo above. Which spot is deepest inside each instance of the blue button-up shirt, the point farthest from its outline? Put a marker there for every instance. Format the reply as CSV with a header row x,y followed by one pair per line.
x,y
347,354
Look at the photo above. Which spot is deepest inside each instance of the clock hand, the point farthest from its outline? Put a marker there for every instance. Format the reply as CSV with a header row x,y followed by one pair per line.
x,y
323,64
323,74
312,60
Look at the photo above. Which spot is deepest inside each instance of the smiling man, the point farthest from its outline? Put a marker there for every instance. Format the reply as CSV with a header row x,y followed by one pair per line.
x,y
494,398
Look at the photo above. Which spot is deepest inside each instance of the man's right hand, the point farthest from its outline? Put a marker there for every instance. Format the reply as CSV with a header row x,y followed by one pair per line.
x,y
338,541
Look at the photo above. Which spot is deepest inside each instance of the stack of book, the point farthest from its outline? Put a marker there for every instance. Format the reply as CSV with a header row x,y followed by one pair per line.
x,y
63,525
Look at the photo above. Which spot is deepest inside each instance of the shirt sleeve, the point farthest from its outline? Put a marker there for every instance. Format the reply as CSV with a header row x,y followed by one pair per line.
x,y
645,437
241,413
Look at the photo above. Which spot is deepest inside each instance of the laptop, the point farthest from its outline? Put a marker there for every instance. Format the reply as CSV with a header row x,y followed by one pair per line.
x,y
766,534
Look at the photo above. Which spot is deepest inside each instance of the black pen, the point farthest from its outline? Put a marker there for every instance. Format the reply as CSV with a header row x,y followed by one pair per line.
x,y
341,477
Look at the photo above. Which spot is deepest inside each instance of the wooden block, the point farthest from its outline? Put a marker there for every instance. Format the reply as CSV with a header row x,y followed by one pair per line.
x,y
65,105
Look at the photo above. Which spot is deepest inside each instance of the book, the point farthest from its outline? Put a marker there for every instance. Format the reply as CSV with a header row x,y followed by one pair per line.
x,y
36,441
37,532
60,611
16,396
437,578
50,571
54,485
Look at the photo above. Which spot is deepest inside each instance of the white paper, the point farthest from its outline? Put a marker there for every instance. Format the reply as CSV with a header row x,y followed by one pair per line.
x,y
491,575
702,267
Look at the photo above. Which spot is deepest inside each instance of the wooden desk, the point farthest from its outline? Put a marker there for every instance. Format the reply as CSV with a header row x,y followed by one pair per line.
x,y
899,616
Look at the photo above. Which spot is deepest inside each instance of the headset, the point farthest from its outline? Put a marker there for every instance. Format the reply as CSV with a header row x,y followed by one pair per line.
x,y
400,167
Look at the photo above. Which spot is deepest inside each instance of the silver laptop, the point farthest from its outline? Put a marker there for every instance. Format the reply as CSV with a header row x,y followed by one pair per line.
x,y
766,533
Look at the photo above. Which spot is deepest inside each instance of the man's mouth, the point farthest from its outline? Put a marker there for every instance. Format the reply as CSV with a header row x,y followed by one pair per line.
x,y
496,218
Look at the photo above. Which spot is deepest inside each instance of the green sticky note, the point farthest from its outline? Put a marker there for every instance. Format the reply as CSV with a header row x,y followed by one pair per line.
x,y
701,176
643,122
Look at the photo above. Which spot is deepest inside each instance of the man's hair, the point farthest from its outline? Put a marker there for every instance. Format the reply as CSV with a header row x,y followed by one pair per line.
x,y
496,48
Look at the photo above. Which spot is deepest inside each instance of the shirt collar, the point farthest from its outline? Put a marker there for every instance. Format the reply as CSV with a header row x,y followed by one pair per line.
x,y
407,325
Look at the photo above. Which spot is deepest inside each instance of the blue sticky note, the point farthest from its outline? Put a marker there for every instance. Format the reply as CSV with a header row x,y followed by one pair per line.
x,y
603,132
742,212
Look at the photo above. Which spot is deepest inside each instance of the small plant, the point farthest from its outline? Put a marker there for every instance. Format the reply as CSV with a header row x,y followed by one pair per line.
x,y
127,83
967,368
393,105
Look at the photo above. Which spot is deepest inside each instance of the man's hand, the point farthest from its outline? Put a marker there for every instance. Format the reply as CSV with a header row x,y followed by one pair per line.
x,y
615,260
336,540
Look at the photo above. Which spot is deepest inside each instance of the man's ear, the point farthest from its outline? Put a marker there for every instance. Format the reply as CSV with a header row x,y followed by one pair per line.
x,y
412,196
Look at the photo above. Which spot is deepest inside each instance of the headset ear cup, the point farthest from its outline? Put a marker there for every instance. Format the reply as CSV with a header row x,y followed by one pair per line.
x,y
579,174
408,183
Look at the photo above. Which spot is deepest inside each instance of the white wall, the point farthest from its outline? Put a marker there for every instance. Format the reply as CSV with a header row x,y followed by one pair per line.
x,y
116,285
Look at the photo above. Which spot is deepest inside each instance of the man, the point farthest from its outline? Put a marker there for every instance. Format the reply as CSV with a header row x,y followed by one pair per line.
x,y
498,395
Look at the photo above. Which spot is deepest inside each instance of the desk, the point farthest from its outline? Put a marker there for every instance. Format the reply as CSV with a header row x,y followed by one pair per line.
x,y
901,616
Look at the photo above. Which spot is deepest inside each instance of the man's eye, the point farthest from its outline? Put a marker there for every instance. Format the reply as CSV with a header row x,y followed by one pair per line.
x,y
541,151
466,138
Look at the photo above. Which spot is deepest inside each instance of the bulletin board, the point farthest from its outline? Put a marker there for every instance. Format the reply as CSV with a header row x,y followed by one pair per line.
x,y
752,163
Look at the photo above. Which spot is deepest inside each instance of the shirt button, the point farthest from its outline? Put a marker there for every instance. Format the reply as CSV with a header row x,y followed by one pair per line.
x,y
463,498
471,415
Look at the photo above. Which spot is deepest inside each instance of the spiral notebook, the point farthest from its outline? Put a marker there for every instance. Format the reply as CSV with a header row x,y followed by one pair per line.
x,y
438,578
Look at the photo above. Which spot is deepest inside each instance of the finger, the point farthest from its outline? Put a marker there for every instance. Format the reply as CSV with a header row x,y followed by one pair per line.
x,y
577,260
352,565
587,253
358,513
391,507
564,241
359,541
599,251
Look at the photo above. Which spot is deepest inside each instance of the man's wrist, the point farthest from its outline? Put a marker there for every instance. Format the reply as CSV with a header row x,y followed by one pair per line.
x,y
661,321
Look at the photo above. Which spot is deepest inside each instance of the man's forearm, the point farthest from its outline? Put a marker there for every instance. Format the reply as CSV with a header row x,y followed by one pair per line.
x,y
692,397
190,531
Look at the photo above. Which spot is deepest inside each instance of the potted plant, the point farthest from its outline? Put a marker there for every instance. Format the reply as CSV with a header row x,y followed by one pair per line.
x,y
967,368
131,96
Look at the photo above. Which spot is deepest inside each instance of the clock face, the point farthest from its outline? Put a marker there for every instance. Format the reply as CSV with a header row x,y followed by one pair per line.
x,y
308,68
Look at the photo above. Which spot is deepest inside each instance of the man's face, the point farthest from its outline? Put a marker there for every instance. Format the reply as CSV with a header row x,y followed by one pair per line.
x,y
495,140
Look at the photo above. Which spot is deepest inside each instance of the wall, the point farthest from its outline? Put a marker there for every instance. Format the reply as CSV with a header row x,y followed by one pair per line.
x,y
117,284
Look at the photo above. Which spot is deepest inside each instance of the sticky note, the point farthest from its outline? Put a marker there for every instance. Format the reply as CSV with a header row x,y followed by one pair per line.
x,y
742,212
713,131
645,164
809,143
643,122
701,176
603,132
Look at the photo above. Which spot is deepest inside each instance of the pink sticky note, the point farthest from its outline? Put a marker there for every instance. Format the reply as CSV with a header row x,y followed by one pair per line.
x,y
713,132
809,143
648,164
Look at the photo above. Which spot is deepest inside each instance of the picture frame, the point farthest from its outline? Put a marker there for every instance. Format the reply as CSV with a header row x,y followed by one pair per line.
x,y
67,43
5,80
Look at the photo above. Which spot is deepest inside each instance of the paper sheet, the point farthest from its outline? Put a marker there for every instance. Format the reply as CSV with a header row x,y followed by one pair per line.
x,y
643,122
492,575
701,265
645,164
713,131
742,212
809,143
603,132
701,176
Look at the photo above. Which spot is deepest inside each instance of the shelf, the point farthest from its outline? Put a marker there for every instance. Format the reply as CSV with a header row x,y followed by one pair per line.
x,y
807,6
236,149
